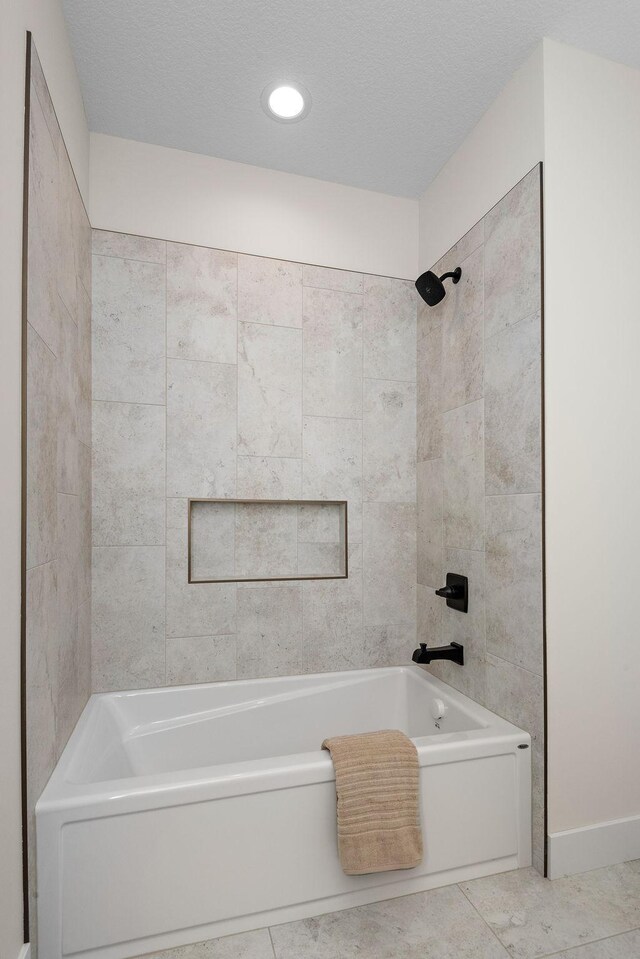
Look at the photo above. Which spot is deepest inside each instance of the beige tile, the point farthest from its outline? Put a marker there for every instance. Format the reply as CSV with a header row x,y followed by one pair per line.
x,y
534,917
128,327
202,292
333,637
81,235
269,291
390,310
323,278
430,533
389,564
200,659
84,365
512,252
67,389
128,632
128,474
332,465
514,579
66,241
42,433
269,390
441,924
513,409
196,609
41,676
332,351
129,247
201,429
389,430
269,477
68,695
269,631
463,477
245,945
462,336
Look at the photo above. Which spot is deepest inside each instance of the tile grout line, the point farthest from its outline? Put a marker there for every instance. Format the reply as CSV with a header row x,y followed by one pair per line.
x,y
166,444
483,920
273,948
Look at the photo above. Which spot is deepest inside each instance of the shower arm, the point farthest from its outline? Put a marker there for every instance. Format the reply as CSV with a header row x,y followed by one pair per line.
x,y
454,275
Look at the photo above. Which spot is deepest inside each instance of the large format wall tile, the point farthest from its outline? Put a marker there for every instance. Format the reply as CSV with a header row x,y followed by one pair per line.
x,y
269,291
269,390
269,631
512,256
333,624
429,385
389,329
463,470
128,330
332,465
462,335
201,659
128,474
83,302
202,290
42,451
430,523
332,349
129,247
67,391
389,564
513,409
269,477
42,677
389,430
128,646
195,609
514,579
323,278
201,429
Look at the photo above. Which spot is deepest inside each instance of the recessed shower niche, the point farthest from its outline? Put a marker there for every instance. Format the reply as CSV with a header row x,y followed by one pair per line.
x,y
242,540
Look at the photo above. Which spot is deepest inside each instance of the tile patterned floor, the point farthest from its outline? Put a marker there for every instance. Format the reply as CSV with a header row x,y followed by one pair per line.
x,y
595,915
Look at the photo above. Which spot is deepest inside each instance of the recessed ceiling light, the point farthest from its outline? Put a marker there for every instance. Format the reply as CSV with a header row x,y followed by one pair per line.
x,y
286,101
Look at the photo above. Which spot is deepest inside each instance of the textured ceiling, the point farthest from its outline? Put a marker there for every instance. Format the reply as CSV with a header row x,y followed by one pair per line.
x,y
396,84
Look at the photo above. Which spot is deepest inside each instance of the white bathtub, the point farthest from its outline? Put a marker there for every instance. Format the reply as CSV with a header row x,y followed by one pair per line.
x,y
182,814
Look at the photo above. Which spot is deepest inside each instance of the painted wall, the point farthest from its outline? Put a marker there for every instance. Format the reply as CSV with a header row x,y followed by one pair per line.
x,y
506,143
154,191
592,134
479,478
255,378
44,18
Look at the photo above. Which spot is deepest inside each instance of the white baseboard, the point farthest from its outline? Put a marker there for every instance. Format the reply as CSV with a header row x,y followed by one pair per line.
x,y
590,847
25,952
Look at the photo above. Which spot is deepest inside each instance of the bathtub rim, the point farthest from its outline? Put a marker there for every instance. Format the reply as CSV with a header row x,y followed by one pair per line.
x,y
495,736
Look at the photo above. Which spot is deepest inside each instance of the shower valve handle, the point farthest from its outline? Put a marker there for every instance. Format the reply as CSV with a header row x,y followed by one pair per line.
x,y
450,592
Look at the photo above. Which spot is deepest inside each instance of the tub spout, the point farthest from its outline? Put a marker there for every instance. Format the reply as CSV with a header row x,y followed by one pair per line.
x,y
454,652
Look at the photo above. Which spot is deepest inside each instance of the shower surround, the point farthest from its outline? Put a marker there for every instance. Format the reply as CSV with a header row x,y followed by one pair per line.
x,y
479,476
218,374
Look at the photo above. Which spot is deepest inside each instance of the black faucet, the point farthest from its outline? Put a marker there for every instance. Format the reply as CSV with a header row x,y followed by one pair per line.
x,y
454,652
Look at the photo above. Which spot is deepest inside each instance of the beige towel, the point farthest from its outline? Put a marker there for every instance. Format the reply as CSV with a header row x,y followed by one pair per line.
x,y
378,801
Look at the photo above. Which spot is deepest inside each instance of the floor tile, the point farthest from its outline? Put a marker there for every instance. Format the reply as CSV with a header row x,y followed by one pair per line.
x,y
534,917
246,945
440,924
626,946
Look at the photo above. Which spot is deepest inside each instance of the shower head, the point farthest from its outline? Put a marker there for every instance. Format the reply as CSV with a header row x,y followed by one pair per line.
x,y
431,288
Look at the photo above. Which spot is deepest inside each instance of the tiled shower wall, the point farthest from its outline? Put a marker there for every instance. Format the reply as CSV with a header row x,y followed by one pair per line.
x,y
58,452
479,484
217,374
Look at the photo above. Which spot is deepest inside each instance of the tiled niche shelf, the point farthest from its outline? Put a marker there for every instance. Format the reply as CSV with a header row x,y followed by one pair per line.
x,y
251,541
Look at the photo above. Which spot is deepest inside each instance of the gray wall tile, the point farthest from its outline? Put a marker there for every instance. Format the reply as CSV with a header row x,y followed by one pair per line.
x,y
201,659
514,579
128,646
201,429
128,326
463,471
512,256
462,335
269,390
333,637
269,477
429,386
269,291
42,450
196,609
389,329
269,631
327,279
332,465
389,564
513,409
430,523
202,292
129,247
332,350
389,430
128,474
